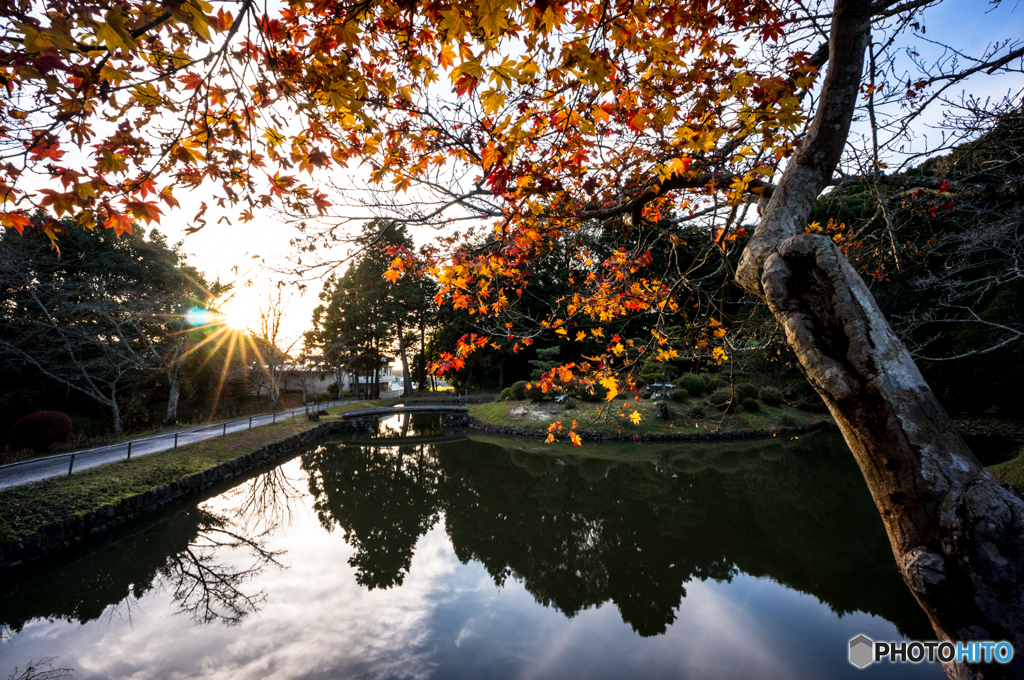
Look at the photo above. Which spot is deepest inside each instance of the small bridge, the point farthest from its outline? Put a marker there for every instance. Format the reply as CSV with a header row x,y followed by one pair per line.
x,y
398,410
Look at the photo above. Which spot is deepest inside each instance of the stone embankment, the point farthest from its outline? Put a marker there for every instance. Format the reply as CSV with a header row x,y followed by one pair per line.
x,y
79,528
475,424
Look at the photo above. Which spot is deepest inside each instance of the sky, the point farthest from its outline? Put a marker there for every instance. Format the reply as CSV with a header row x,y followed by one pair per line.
x,y
253,254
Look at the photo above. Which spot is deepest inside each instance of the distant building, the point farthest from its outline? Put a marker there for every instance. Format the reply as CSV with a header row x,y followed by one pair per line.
x,y
295,377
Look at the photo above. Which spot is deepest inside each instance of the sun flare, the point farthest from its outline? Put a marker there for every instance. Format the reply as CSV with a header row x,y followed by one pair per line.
x,y
240,314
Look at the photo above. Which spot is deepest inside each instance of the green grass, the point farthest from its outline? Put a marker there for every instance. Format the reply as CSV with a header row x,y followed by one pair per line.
x,y
1010,472
27,508
600,417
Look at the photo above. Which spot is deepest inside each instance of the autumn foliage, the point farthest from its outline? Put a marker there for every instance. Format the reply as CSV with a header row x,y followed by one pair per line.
x,y
607,130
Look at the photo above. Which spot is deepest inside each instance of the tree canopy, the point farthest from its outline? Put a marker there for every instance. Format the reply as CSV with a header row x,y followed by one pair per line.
x,y
651,125
99,319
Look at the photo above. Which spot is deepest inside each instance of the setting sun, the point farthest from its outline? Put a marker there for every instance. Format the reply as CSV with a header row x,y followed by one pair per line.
x,y
241,313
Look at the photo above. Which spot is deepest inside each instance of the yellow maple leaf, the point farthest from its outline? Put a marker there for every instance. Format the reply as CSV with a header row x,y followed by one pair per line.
x,y
635,417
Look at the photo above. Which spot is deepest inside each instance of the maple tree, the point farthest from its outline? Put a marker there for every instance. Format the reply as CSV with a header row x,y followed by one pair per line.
x,y
644,125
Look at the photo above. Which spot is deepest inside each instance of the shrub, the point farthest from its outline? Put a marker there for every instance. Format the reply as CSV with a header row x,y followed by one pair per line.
x,y
680,395
570,404
595,392
745,390
787,420
697,411
771,396
40,430
518,390
505,394
534,392
716,384
750,405
645,395
721,398
692,383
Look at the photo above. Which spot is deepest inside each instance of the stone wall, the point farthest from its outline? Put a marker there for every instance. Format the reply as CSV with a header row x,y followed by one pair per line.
x,y
79,528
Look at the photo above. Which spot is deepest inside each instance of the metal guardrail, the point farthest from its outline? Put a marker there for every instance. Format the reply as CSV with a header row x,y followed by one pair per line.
x,y
173,436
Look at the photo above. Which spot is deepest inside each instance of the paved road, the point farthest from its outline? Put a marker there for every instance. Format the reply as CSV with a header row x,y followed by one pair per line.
x,y
37,469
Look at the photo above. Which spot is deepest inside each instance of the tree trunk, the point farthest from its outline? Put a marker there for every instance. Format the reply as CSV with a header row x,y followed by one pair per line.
x,y
957,535
501,377
423,352
274,394
376,382
406,381
173,396
115,412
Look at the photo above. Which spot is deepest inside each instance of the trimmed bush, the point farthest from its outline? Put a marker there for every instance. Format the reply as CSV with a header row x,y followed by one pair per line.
x,y
745,390
645,395
787,420
534,392
518,390
596,392
680,395
721,398
716,384
771,396
697,411
750,405
505,394
692,383
41,430
570,404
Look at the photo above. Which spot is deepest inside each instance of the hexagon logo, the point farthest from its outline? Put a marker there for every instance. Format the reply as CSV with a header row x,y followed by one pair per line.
x,y
861,651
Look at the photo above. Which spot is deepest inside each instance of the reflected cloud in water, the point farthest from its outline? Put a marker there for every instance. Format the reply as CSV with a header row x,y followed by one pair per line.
x,y
368,559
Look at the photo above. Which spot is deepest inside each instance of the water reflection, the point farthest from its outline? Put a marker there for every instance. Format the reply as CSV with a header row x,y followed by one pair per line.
x,y
655,531
205,556
582,532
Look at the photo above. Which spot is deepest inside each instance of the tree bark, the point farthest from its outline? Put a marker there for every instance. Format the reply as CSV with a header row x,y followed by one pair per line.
x,y
406,381
173,396
957,535
115,412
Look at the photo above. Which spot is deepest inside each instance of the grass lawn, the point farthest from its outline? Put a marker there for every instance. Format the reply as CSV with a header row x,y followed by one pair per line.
x,y
25,509
1010,472
614,417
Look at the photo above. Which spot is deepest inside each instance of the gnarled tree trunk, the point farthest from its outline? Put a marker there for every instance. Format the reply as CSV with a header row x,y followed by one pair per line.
x,y
957,535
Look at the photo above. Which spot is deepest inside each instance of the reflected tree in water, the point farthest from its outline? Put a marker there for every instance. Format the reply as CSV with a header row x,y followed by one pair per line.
x,y
208,590
579,532
265,502
192,554
576,532
382,498
41,670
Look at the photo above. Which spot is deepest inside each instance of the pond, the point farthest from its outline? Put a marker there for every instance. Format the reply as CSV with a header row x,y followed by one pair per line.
x,y
419,552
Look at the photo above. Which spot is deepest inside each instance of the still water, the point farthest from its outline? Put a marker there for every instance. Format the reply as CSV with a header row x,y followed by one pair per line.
x,y
417,552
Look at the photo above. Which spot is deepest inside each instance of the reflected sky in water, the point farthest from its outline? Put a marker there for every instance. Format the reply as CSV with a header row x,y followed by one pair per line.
x,y
345,563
